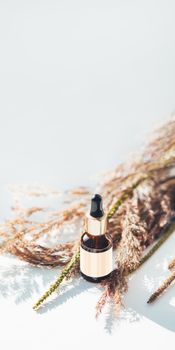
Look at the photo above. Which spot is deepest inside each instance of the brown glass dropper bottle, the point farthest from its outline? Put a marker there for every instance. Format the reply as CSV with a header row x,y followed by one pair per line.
x,y
96,247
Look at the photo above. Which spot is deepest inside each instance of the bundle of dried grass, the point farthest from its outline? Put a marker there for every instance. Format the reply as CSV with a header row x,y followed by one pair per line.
x,y
139,196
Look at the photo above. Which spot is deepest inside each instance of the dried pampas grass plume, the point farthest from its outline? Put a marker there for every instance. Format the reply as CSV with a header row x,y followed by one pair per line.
x,y
139,198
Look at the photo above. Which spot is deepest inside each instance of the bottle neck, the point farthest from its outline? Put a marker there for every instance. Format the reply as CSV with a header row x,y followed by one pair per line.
x,y
96,226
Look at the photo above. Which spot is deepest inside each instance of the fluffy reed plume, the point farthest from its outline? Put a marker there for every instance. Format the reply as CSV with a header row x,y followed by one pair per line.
x,y
148,215
129,249
127,259
139,197
36,254
16,232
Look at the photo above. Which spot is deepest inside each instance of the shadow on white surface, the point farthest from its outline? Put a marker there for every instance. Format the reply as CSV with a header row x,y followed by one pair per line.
x,y
21,282
146,280
113,319
64,294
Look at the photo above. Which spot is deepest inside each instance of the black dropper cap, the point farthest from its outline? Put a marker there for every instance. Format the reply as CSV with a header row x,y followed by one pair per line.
x,y
97,206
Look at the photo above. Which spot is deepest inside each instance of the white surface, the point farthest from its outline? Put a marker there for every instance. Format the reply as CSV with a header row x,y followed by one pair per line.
x,y
73,72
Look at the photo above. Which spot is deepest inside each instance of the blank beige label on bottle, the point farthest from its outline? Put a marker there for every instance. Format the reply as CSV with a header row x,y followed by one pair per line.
x,y
96,264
